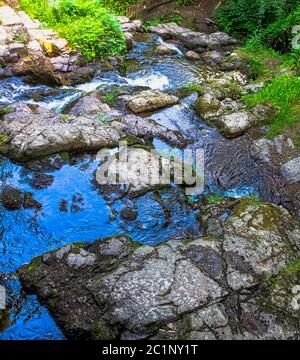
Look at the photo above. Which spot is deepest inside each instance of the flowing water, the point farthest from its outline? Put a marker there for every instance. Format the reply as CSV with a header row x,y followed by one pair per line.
x,y
74,210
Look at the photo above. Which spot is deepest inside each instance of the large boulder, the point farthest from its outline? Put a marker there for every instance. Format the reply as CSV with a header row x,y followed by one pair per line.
x,y
192,40
150,100
215,287
30,132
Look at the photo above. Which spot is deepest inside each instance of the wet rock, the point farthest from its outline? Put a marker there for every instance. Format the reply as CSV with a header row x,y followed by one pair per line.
x,y
179,290
290,171
41,180
150,100
128,213
129,41
192,55
267,150
34,132
89,105
15,199
11,198
164,50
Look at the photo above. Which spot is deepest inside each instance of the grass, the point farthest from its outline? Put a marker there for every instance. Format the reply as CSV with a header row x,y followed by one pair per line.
x,y
284,93
194,87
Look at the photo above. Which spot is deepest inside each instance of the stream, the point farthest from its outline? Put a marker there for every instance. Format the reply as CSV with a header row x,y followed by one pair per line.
x,y
74,211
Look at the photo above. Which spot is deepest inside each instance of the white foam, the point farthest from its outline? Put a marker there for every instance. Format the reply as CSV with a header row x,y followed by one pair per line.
x,y
153,81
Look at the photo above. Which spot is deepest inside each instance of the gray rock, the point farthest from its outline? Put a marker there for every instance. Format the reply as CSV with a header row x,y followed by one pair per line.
x,y
193,40
150,100
34,132
190,290
291,171
80,260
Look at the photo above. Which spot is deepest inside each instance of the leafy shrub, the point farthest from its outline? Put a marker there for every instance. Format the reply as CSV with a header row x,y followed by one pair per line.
x,y
86,25
272,19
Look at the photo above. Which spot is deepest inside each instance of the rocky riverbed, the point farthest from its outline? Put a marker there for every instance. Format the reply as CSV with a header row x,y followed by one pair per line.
x,y
145,262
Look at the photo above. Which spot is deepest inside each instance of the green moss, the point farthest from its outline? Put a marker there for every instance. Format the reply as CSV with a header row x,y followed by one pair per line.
x,y
194,87
6,110
4,319
102,331
34,263
213,199
53,302
64,155
268,215
185,327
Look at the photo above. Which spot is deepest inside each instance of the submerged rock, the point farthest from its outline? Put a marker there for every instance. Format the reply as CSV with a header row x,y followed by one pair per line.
x,y
205,288
150,100
14,199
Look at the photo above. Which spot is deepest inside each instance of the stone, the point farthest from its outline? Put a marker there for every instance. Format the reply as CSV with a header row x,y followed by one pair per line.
x,y
290,171
34,132
192,40
235,124
199,289
150,100
212,56
90,105
81,260
14,199
192,55
164,50
128,213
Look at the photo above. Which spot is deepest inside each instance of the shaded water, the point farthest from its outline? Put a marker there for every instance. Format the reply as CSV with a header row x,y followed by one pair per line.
x,y
85,215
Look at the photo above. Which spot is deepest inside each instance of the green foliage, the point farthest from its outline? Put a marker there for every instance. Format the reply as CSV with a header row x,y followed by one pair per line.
x,y
87,25
284,93
271,19
175,18
194,87
214,199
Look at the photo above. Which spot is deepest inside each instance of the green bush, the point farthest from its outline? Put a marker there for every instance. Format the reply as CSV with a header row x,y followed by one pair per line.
x,y
271,19
86,25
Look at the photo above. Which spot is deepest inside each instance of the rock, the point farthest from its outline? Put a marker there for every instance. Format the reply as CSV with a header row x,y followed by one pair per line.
x,y
290,171
164,50
212,56
128,213
82,259
235,124
267,150
15,199
192,40
11,198
34,132
192,55
150,100
130,26
90,105
216,288
26,49
129,41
